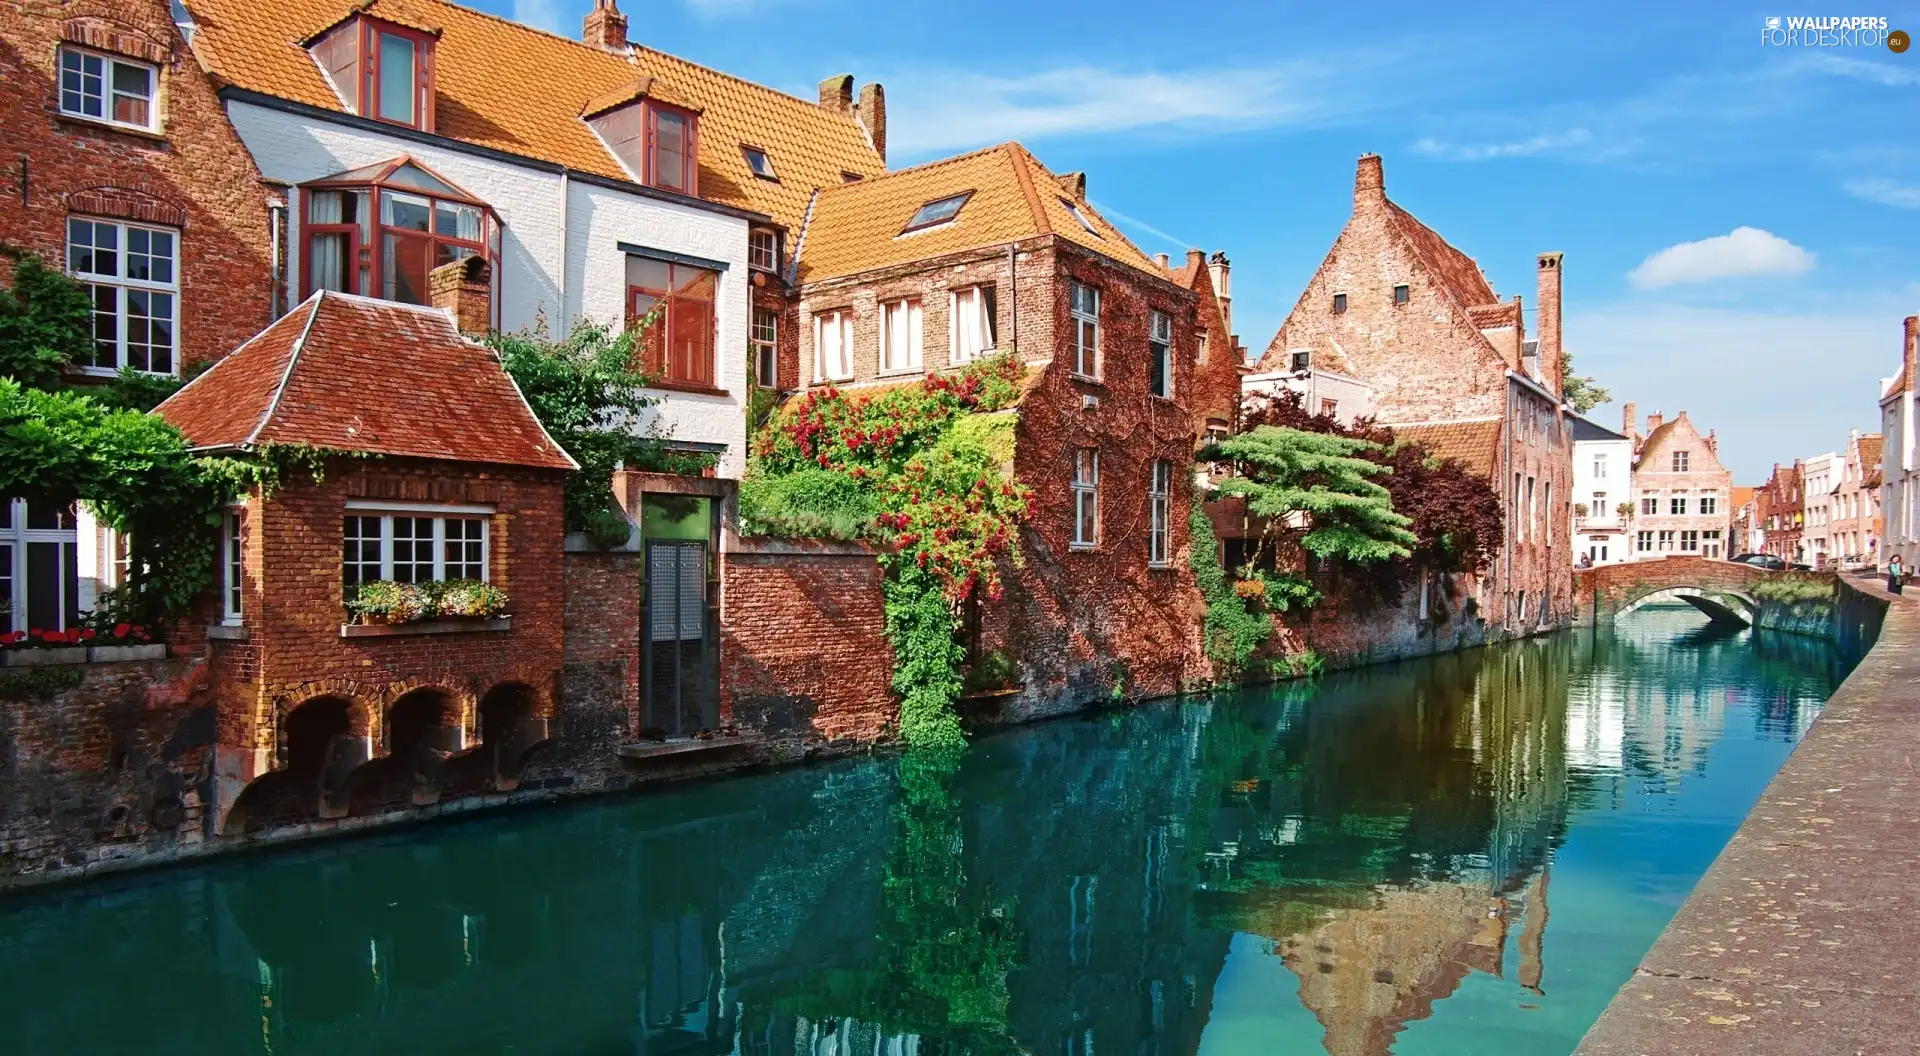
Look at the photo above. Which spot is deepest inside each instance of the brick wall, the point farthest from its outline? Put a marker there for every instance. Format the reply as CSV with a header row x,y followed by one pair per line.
x,y
193,177
1654,477
803,645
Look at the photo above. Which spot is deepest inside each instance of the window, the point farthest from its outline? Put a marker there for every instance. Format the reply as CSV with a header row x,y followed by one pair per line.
x,y
1649,506
39,566
1600,467
1401,294
1709,504
132,277
1084,302
672,160
1199,346
1680,461
677,346
1339,304
833,346
1074,208
403,218
766,348
1160,352
1689,542
1329,408
763,249
1546,502
900,335
1159,493
759,163
1086,497
232,566
1643,542
102,88
412,547
1677,505
970,324
938,211
1666,541
1533,524
380,70
1300,361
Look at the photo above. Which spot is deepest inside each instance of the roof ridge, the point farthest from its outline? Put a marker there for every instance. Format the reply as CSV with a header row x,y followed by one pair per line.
x,y
214,365
1017,157
867,181
293,357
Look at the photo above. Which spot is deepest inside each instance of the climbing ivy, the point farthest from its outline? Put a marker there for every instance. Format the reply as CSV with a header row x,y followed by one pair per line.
x,y
1232,633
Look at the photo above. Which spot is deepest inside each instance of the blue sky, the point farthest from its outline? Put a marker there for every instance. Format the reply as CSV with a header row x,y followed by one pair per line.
x,y
1610,132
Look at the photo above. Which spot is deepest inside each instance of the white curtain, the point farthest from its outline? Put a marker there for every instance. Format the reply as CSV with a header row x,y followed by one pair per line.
x,y
327,262
903,320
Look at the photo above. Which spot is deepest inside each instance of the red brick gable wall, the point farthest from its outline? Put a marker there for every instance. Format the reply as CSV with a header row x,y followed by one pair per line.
x,y
195,176
1215,390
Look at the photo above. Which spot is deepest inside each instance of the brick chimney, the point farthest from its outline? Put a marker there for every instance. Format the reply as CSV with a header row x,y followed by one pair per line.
x,y
1369,181
1163,260
1221,271
1629,419
605,27
1551,357
872,114
464,290
1074,183
1713,441
1653,421
836,93
1912,350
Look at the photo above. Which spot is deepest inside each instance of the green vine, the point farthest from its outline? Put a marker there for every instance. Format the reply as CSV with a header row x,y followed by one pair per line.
x,y
41,683
1233,633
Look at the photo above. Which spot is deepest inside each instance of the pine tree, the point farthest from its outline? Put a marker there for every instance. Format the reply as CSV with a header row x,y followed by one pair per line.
x,y
1320,483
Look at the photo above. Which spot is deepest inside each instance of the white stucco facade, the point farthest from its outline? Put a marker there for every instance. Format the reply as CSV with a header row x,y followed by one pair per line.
x,y
1602,482
1321,391
1899,493
561,255
1821,474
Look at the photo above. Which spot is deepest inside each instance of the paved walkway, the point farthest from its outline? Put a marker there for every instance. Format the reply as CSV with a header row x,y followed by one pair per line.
x,y
1804,936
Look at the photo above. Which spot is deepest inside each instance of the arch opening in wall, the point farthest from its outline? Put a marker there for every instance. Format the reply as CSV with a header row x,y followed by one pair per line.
x,y
423,729
318,749
511,731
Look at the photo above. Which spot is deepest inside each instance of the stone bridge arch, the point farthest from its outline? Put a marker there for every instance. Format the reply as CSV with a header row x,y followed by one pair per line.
x,y
1726,591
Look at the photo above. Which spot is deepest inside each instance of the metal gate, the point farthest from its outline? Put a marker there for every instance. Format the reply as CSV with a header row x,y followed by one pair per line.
x,y
678,659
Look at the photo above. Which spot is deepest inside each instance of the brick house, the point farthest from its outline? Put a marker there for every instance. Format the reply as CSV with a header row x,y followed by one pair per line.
x,y
1782,512
927,268
1899,456
598,178
1680,490
1444,361
1744,532
120,169
442,473
1856,503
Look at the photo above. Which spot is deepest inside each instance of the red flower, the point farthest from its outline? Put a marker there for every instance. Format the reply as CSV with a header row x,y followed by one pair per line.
x,y
86,635
120,629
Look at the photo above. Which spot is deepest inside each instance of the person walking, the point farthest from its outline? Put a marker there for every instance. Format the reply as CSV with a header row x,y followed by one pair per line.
x,y
1896,573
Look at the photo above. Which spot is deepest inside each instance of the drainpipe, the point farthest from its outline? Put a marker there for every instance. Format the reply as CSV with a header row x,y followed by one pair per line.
x,y
566,193
1513,505
276,214
1013,287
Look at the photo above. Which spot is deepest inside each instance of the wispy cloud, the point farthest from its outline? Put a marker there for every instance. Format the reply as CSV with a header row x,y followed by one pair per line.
x,y
1744,252
1543,143
1865,69
1885,192
1124,220
540,14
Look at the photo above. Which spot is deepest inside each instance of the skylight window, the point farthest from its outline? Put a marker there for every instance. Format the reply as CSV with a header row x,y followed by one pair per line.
x,y
1080,216
758,161
938,211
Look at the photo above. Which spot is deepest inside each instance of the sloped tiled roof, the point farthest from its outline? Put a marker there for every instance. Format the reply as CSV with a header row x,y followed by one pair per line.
x,y
1581,429
1453,270
1475,442
857,226
503,85
1872,445
349,373
1741,496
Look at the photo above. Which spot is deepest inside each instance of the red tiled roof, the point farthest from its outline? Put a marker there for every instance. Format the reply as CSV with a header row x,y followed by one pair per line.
x,y
1475,442
348,373
1451,269
1871,447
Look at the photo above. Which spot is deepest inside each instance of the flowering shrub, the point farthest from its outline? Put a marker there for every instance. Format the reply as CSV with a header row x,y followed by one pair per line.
x,y
470,598
121,633
385,601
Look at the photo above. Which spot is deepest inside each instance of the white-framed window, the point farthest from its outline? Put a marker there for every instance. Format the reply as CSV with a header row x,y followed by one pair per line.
x,y
1084,303
1160,352
970,324
1666,541
1680,461
1643,542
1199,346
109,89
1689,542
1086,497
132,276
900,335
766,348
833,346
413,545
1159,504
1600,467
39,565
232,567
1709,504
1649,506
1710,542
1329,407
1677,505
1074,208
763,249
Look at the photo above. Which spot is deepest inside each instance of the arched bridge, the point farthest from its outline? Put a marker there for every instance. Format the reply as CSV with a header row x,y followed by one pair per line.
x,y
1724,590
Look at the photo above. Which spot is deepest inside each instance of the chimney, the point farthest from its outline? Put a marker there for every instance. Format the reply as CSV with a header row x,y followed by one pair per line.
x,y
1221,271
1629,419
1162,260
1653,421
1713,441
605,27
464,290
872,114
1912,351
1074,183
836,93
1551,358
1369,181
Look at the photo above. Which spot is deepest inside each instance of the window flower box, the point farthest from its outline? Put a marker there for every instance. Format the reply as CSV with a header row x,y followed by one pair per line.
x,y
121,654
71,654
462,601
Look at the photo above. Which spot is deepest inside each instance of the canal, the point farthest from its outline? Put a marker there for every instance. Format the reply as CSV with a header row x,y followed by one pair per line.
x,y
1467,854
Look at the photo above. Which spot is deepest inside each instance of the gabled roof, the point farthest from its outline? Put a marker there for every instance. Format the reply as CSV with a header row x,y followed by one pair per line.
x,y
1474,442
348,373
1741,496
516,89
1452,270
1585,430
1872,445
859,226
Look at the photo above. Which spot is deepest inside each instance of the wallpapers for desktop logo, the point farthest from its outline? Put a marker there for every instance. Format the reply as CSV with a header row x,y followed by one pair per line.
x,y
1826,31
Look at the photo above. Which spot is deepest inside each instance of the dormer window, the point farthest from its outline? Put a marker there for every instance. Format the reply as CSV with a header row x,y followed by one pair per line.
x,y
759,163
655,141
938,211
380,70
113,90
671,163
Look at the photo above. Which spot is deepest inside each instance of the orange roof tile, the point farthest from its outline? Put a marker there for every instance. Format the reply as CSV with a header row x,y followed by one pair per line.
x,y
519,90
1872,445
1475,442
857,227
350,373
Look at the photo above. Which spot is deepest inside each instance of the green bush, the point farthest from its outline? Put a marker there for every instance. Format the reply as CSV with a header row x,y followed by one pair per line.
x,y
808,503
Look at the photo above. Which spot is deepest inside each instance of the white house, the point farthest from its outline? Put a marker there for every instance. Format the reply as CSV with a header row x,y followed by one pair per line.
x,y
1602,487
1900,477
1324,388
1822,474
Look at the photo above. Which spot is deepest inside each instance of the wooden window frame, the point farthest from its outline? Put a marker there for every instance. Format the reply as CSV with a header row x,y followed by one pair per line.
x,y
1160,348
366,260
1085,490
772,238
385,512
123,287
663,377
108,61
983,299
843,319
766,350
1160,514
233,527
914,356
690,153
1080,319
367,30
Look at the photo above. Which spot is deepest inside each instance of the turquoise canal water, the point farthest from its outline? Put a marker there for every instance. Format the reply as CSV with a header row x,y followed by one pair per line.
x,y
1462,855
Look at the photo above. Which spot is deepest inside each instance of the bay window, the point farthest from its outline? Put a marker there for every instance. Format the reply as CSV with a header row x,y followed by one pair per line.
x,y
970,324
108,88
833,346
900,335
1160,354
131,274
413,546
379,231
676,345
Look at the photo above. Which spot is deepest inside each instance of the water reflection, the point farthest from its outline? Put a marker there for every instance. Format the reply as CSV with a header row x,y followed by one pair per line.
x,y
1380,861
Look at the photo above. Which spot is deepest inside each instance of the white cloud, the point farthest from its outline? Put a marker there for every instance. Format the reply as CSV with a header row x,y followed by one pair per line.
x,y
1744,252
1124,220
1885,192
540,14
1878,72
1544,143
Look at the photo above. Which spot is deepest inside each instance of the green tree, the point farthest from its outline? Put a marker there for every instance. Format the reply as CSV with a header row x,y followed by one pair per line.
x,y
1579,391
1318,489
46,321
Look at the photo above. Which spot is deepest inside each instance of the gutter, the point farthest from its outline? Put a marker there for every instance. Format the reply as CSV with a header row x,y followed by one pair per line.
x,y
566,197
